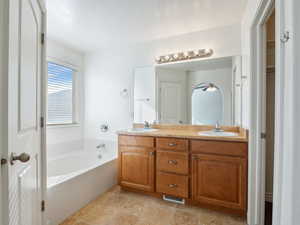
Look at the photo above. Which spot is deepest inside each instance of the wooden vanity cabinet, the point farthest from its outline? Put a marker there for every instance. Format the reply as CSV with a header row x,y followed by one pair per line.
x,y
172,166
219,174
137,162
206,173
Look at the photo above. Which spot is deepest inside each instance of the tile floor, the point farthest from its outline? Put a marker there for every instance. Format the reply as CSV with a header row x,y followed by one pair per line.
x,y
117,207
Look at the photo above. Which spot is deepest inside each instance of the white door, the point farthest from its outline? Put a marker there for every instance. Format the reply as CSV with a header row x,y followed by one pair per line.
x,y
170,102
24,109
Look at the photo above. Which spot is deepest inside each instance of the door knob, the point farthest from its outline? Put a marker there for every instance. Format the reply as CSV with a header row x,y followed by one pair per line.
x,y
24,157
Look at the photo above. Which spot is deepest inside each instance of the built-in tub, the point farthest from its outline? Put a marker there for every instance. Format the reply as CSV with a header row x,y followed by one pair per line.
x,y
76,178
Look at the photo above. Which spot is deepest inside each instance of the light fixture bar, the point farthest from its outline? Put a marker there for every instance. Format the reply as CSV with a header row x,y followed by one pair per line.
x,y
180,56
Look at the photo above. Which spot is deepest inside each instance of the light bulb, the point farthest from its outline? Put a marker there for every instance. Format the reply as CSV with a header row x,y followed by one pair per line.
x,y
207,51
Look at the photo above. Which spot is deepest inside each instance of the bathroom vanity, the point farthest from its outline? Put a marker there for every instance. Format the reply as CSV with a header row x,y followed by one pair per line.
x,y
178,162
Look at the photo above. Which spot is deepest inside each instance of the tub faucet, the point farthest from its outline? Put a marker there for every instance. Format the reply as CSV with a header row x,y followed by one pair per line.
x,y
218,127
100,146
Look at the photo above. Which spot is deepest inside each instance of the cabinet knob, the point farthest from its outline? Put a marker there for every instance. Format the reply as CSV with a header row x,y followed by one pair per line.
x,y
173,185
194,157
174,162
172,144
151,153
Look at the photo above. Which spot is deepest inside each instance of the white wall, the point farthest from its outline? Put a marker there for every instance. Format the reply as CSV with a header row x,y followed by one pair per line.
x,y
111,70
62,139
247,21
296,190
222,78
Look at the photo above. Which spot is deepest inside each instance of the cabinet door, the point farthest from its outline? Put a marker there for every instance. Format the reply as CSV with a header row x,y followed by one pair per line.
x,y
219,181
136,168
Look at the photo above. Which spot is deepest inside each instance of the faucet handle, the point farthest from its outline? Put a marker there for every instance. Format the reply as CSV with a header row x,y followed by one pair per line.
x,y
146,124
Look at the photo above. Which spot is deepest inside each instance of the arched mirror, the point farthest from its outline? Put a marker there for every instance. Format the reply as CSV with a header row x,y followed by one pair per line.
x,y
207,104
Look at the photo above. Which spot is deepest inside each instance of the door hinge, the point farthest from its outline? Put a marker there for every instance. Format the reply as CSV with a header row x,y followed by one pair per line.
x,y
43,206
3,161
42,122
263,135
43,38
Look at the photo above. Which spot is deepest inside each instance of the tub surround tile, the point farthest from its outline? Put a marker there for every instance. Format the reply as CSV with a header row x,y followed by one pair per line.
x,y
119,207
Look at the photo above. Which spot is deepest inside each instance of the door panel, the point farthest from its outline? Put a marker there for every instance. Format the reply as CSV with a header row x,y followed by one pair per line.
x,y
27,192
170,102
219,180
25,77
28,71
131,162
137,168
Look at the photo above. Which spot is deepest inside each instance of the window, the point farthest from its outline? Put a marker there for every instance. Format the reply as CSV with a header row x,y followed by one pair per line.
x,y
60,94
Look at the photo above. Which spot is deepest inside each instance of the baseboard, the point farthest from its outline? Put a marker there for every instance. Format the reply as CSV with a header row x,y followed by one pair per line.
x,y
269,197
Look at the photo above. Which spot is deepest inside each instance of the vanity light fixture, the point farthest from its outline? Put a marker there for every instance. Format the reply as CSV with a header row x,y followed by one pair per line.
x,y
202,53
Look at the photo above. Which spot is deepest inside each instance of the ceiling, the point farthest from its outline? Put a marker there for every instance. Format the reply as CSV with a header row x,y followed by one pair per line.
x,y
92,24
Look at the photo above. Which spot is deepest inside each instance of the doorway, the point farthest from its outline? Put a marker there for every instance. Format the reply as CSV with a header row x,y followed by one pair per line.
x,y
269,107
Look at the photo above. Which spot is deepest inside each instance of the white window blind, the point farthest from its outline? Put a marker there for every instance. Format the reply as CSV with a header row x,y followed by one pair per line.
x,y
60,94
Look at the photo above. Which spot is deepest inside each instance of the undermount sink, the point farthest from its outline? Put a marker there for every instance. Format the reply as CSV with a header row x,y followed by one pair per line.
x,y
218,133
141,130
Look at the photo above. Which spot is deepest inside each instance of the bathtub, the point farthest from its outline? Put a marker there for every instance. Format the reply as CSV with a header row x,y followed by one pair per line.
x,y
76,178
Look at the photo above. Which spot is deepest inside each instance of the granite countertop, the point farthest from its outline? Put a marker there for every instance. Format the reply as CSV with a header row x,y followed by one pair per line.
x,y
181,132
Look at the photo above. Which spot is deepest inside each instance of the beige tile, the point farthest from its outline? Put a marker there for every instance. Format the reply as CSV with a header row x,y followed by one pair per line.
x,y
125,219
73,222
117,207
185,218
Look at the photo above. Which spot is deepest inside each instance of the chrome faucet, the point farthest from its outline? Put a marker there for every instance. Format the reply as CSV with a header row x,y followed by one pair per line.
x,y
146,125
217,127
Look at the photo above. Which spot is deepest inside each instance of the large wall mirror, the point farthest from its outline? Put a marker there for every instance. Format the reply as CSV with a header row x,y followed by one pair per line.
x,y
203,92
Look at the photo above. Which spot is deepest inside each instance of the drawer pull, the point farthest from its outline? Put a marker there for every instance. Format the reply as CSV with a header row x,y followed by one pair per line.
x,y
174,162
172,144
173,185
151,153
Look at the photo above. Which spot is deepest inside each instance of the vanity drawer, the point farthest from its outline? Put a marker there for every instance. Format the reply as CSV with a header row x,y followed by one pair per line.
x,y
147,142
174,144
174,162
219,148
176,185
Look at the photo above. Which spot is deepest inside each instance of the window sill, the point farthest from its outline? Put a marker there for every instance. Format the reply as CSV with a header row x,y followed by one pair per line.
x,y
53,126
